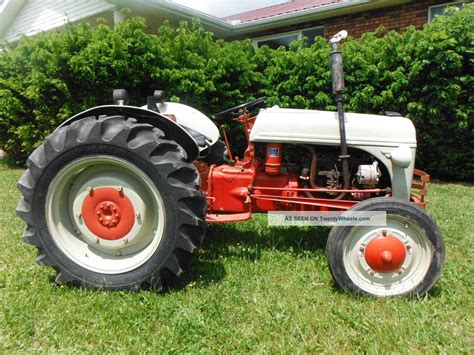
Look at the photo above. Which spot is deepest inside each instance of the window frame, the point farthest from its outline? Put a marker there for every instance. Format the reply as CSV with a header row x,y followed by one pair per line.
x,y
446,4
298,33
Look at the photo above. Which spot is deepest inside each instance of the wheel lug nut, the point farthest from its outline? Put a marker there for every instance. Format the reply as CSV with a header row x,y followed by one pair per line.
x,y
384,232
97,240
78,214
137,215
371,272
120,188
90,190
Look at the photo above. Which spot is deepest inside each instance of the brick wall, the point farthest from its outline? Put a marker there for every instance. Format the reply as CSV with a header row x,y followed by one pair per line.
x,y
397,17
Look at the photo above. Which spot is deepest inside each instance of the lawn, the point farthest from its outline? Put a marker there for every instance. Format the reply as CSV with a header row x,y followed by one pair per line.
x,y
253,289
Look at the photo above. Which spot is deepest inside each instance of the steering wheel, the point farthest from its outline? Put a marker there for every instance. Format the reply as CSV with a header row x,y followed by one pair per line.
x,y
240,107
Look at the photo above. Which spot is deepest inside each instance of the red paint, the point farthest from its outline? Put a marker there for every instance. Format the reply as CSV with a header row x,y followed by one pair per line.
x,y
229,151
250,185
228,218
108,213
422,186
305,203
319,189
385,254
279,9
228,188
257,185
203,170
235,189
273,158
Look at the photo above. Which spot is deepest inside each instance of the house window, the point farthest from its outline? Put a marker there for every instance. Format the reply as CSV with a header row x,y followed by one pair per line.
x,y
313,32
438,10
278,41
284,39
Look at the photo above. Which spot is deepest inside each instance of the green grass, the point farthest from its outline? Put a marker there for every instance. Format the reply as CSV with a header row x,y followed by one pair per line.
x,y
253,288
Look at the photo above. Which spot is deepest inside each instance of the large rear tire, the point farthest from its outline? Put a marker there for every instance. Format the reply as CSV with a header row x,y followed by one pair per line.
x,y
403,258
111,204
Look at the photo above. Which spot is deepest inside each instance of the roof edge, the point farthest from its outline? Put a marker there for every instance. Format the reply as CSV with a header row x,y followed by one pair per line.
x,y
233,28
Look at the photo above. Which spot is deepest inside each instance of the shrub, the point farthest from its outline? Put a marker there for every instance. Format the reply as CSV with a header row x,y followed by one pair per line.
x,y
425,75
50,77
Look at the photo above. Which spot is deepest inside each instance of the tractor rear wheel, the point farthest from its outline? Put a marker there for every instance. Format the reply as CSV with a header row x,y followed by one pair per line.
x,y
112,204
403,258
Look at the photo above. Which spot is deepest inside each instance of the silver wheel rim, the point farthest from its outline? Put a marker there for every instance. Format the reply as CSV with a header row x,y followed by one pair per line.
x,y
64,199
419,253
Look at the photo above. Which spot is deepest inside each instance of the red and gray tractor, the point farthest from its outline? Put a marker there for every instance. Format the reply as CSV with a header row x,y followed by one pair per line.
x,y
119,196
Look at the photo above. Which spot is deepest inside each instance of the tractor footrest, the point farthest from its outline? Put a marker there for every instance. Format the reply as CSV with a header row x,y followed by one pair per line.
x,y
226,218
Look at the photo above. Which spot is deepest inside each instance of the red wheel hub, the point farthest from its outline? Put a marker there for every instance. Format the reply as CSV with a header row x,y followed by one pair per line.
x,y
108,213
385,254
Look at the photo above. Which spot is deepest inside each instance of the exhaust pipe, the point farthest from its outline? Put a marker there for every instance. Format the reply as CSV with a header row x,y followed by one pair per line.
x,y
338,88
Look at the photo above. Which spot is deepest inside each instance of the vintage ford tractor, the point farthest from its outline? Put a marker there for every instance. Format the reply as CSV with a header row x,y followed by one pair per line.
x,y
119,197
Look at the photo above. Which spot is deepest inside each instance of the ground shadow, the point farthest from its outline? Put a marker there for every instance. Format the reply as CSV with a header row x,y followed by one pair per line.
x,y
247,241
252,238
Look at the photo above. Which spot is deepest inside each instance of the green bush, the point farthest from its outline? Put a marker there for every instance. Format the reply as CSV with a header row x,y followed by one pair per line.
x,y
425,75
50,77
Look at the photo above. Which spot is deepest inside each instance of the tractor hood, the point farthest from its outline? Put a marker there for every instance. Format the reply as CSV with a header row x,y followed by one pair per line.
x,y
322,127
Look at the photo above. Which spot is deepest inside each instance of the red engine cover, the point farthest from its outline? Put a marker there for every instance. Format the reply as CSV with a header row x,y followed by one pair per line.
x,y
229,188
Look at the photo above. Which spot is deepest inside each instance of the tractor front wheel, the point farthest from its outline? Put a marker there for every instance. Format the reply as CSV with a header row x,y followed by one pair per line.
x,y
110,203
403,258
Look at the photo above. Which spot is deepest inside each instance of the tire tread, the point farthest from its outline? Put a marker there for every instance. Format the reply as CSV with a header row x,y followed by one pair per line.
x,y
150,144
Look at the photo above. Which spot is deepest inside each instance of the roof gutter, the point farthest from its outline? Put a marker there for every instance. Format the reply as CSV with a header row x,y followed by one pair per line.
x,y
322,10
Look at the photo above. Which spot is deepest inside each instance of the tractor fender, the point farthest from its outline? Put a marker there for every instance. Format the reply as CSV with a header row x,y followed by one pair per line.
x,y
171,129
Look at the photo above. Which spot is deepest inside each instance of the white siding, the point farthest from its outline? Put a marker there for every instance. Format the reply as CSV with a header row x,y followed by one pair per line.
x,y
43,15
